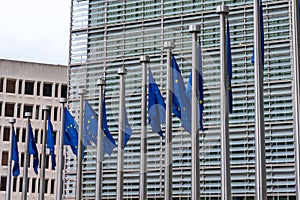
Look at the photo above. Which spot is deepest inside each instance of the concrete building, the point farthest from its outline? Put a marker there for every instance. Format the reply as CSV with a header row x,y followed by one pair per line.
x,y
108,34
27,87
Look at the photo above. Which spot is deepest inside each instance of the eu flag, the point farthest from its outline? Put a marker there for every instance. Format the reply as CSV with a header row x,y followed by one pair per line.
x,y
229,67
90,127
262,33
108,140
32,149
128,130
50,142
70,133
15,155
181,106
156,106
200,88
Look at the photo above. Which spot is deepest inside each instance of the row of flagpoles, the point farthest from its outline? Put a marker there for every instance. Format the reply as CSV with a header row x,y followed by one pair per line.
x,y
186,103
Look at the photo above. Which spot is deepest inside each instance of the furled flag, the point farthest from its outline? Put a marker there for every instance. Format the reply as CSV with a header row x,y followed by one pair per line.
x,y
262,34
128,130
188,91
70,133
181,106
229,67
156,106
15,155
50,142
32,149
91,129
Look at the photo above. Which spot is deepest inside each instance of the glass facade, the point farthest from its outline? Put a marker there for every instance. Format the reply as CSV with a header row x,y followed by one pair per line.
x,y
108,34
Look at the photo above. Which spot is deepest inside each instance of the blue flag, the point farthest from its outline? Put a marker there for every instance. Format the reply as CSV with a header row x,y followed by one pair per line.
x,y
32,149
70,133
50,142
91,129
262,33
108,140
181,106
156,106
229,67
128,130
15,155
188,91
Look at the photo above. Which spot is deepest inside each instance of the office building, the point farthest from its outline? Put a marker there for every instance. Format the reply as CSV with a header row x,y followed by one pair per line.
x,y
27,87
106,35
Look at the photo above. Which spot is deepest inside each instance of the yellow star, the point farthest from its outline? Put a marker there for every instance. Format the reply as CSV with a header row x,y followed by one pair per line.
x,y
93,117
176,81
184,108
201,102
89,121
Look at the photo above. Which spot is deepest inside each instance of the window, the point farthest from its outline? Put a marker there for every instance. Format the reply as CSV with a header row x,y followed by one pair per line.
x,y
29,87
3,183
38,88
18,110
6,134
9,109
20,87
64,91
37,112
56,90
21,184
14,184
36,134
52,186
4,158
46,185
23,134
1,84
0,108
22,160
55,113
27,108
10,86
33,185
47,90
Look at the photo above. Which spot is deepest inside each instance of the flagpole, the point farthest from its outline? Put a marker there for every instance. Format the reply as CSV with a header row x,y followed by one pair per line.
x,y
45,109
8,180
120,172
194,30
26,159
168,141
223,11
260,158
81,92
143,165
296,82
59,186
101,84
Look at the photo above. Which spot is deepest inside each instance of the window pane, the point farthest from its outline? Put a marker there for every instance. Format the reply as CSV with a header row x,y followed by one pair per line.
x,y
3,183
10,86
4,158
29,86
6,134
9,109
47,90
64,90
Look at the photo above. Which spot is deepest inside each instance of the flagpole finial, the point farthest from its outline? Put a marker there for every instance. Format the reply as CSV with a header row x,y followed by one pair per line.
x,y
82,91
145,59
63,100
12,120
169,45
46,108
101,82
223,9
194,28
28,114
122,70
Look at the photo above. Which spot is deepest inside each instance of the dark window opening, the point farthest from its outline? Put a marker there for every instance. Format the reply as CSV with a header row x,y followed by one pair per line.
x,y
29,87
24,134
56,90
47,90
20,87
38,88
37,112
27,108
55,113
14,184
6,134
18,110
3,183
10,86
9,109
1,84
52,186
64,91
4,158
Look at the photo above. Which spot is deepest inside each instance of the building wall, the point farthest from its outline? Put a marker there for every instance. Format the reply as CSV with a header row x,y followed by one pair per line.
x,y
27,87
109,34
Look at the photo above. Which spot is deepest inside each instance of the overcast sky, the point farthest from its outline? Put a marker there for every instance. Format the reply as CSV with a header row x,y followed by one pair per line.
x,y
35,30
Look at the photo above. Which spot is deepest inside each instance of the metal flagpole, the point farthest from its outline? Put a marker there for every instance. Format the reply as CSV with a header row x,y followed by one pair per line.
x,y
101,84
81,92
296,95
59,186
120,171
26,159
195,29
168,141
260,158
223,11
143,165
8,180
46,110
